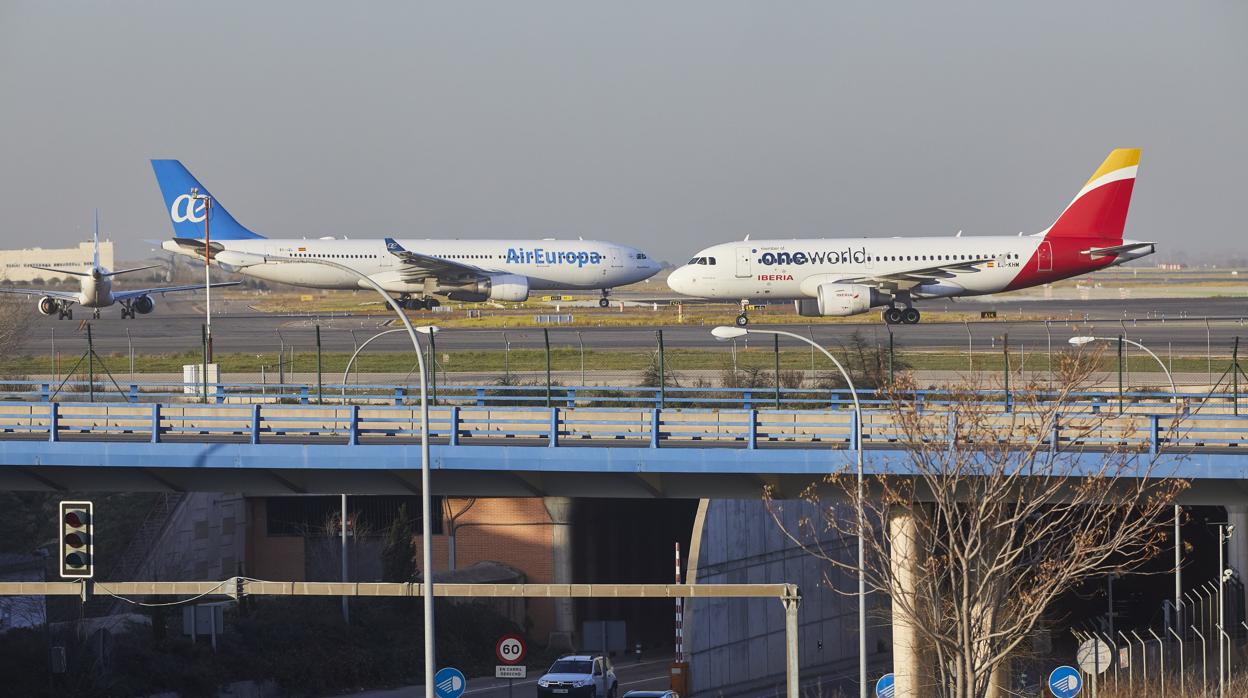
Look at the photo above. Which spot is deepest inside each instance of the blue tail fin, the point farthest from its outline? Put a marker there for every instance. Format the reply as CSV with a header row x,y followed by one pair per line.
x,y
187,214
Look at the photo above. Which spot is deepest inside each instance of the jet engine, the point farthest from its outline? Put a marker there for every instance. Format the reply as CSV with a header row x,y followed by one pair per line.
x,y
498,287
841,300
143,305
49,305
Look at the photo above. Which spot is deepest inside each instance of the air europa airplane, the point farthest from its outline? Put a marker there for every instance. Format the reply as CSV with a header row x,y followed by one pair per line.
x,y
414,270
848,276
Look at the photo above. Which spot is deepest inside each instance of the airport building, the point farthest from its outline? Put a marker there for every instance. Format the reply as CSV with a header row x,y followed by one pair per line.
x,y
17,266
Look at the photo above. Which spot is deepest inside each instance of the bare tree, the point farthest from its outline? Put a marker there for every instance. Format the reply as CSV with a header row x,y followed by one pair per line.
x,y
994,520
15,320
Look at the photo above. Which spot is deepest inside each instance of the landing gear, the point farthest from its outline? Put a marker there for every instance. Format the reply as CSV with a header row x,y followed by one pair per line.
x,y
96,314
409,303
65,313
901,316
743,319
603,302
127,311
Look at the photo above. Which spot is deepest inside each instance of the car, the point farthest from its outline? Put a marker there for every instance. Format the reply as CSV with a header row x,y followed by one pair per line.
x,y
652,694
579,676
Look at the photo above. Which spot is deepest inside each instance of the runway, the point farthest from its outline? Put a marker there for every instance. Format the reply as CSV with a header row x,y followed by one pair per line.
x,y
1176,325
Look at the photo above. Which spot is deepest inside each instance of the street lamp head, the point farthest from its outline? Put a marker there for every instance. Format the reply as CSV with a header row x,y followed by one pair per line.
x,y
1080,341
724,333
427,329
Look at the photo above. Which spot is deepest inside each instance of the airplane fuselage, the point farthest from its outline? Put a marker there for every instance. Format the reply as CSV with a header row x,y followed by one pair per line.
x,y
793,269
550,265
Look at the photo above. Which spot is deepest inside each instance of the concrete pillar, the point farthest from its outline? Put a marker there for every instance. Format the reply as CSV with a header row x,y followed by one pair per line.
x,y
911,681
560,510
1237,546
1000,680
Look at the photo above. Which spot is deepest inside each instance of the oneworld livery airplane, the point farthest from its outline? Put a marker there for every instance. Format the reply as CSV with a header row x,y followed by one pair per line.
x,y
848,276
95,289
416,271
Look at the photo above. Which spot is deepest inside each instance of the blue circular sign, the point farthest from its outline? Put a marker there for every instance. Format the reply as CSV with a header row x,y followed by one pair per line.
x,y
1065,682
449,683
885,687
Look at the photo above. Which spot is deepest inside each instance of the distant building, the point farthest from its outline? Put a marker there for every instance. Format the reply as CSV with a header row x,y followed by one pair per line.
x,y
16,266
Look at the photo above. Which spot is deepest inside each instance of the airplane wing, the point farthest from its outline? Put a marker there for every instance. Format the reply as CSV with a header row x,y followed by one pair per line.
x,y
417,266
127,295
913,277
59,295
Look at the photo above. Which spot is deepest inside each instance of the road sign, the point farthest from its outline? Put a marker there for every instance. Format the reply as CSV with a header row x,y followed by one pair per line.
x,y
1065,682
511,671
1094,655
509,649
885,687
449,683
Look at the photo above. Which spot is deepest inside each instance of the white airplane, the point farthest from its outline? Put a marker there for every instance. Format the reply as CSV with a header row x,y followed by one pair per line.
x,y
413,270
848,276
96,290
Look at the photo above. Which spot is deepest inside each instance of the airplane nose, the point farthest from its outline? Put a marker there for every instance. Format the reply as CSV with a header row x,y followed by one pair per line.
x,y
678,280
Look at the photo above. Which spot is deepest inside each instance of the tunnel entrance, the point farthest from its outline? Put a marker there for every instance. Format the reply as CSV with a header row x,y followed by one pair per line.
x,y
630,541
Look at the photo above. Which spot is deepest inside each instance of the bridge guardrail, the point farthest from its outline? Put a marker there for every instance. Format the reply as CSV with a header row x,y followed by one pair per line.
x,y
561,426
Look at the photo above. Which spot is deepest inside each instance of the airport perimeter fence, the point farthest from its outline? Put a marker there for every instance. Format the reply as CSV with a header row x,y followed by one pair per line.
x,y
1188,653
311,354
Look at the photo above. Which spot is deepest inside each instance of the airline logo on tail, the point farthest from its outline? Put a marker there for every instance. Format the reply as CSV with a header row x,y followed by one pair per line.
x,y
1099,210
186,209
188,213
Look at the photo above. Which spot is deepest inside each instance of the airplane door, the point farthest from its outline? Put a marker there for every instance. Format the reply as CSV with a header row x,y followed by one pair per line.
x,y
1044,256
743,263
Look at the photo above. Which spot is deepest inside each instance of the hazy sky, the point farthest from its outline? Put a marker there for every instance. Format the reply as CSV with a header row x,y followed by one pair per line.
x,y
669,125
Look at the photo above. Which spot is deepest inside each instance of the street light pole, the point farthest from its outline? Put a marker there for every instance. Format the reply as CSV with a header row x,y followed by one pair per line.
x,y
725,333
232,261
1178,510
207,199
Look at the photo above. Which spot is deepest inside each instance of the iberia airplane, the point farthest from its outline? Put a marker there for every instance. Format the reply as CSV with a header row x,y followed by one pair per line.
x,y
848,276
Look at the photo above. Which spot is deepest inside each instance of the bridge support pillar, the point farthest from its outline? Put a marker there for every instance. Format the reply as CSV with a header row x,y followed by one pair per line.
x,y
560,510
909,670
1237,546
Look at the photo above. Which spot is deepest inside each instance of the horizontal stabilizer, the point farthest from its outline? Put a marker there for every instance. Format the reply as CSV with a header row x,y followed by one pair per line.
x,y
1098,252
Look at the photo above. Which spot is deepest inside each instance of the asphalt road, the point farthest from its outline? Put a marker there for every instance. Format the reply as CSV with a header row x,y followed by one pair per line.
x,y
1163,324
649,675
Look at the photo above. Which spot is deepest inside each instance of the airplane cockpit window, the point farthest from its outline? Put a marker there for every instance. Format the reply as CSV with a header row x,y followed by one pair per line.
x,y
712,260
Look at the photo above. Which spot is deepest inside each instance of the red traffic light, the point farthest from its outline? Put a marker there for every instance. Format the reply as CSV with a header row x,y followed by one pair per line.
x,y
76,518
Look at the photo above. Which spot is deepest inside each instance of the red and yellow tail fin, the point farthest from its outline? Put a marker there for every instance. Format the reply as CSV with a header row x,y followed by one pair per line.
x,y
1100,208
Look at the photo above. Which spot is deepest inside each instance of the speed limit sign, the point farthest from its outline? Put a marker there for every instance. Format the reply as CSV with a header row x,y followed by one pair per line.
x,y
510,649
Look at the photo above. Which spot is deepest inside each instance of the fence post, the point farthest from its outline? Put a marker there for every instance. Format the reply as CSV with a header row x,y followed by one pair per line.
x,y
134,393
662,372
353,435
553,439
220,390
255,424
54,421
1055,436
1154,434
45,392
751,438
571,396
546,337
480,397
303,395
775,338
400,394
747,399
455,425
654,427
156,422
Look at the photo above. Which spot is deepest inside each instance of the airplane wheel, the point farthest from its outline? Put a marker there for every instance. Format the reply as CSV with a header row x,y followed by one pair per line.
x,y
432,303
892,316
603,303
910,316
742,320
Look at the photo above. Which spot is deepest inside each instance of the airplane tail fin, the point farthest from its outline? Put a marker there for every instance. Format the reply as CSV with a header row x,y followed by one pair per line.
x,y
95,239
1100,208
187,214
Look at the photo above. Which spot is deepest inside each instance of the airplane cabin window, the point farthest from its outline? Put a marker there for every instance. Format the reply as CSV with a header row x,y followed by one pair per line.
x,y
712,261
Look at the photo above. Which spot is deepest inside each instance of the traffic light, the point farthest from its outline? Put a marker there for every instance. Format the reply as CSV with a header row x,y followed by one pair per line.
x,y
77,547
